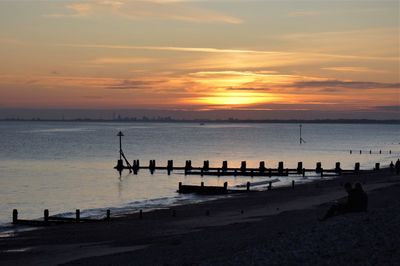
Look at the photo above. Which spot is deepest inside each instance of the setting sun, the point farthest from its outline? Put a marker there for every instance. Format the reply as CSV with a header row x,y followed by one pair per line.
x,y
235,98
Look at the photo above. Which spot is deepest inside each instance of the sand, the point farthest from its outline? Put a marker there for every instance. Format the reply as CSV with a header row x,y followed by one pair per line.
x,y
277,227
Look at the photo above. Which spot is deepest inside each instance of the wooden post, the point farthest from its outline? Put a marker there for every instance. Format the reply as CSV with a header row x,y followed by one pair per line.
x,y
304,172
269,172
280,168
225,186
152,166
318,167
188,165
337,168
108,216
293,184
170,165
224,166
322,172
78,215
46,215
248,186
243,166
252,173
201,172
206,165
357,167
360,151
15,216
351,152
377,166
140,214
120,165
287,172
179,186
262,167
270,185
299,167
202,184
135,167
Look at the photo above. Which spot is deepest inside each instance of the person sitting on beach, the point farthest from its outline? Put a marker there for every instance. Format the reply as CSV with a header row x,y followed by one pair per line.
x,y
357,201
391,166
397,166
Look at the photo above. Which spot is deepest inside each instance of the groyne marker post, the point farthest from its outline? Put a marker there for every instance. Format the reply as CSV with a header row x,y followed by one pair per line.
x,y
120,135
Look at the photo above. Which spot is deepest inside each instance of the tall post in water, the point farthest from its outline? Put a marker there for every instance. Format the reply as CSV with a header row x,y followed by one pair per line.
x,y
120,135
120,164
301,140
300,133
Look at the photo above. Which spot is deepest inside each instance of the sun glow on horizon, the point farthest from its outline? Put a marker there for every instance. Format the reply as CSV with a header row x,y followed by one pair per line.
x,y
201,55
234,99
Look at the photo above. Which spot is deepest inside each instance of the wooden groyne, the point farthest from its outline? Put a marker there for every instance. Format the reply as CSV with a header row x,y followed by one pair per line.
x,y
243,170
202,189
51,220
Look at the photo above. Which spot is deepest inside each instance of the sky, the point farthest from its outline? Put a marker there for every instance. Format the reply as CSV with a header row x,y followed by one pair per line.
x,y
251,59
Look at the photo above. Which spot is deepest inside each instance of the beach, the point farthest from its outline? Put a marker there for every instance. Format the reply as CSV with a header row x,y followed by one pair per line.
x,y
280,226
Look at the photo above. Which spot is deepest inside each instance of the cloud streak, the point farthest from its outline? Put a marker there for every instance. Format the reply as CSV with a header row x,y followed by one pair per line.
x,y
145,9
346,84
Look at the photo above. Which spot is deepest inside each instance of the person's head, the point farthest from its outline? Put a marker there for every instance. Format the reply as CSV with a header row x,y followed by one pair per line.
x,y
358,187
347,187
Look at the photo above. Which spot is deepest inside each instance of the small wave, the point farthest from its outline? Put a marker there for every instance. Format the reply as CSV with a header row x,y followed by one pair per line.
x,y
135,206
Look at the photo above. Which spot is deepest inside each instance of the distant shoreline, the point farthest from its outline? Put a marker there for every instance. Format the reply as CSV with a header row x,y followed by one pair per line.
x,y
230,121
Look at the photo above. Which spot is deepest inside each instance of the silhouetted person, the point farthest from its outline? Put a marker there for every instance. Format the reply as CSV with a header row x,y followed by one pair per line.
x,y
391,166
397,166
340,208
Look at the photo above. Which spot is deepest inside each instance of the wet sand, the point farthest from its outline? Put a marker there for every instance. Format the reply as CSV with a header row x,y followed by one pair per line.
x,y
277,227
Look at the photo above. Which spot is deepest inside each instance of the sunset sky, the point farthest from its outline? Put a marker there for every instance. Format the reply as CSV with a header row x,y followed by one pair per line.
x,y
267,56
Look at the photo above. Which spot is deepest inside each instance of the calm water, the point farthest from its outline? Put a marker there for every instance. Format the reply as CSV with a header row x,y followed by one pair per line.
x,y
67,165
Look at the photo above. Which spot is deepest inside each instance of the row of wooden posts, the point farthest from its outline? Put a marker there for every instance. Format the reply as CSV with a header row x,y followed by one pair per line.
x,y
47,219
36,222
202,189
371,152
243,169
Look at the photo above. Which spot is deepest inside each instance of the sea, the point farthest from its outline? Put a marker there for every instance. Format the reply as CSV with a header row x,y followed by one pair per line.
x,y
64,166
